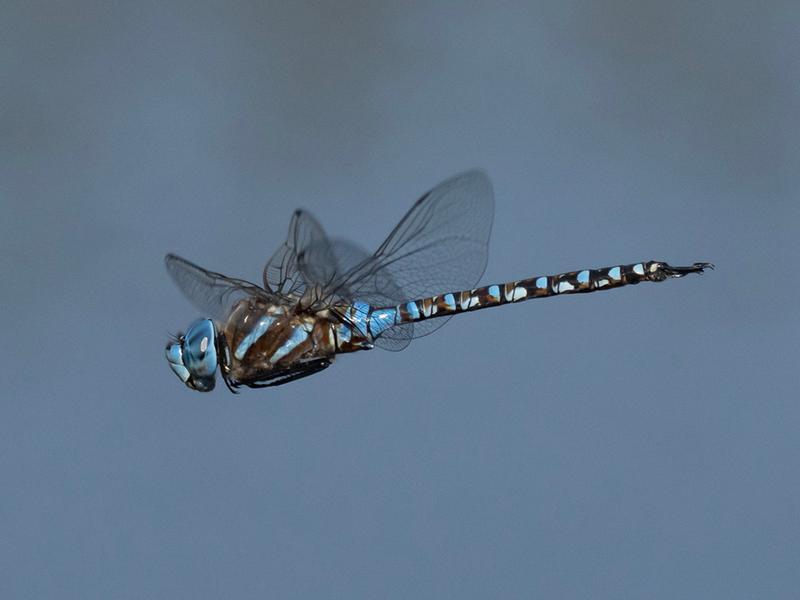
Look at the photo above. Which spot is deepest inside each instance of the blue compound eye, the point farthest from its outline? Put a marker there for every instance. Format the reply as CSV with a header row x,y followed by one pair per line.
x,y
175,359
200,354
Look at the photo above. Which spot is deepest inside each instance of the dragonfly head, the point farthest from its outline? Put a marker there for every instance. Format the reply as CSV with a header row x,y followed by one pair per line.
x,y
193,357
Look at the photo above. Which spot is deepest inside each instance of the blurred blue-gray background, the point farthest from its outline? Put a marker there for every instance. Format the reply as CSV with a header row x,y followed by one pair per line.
x,y
640,443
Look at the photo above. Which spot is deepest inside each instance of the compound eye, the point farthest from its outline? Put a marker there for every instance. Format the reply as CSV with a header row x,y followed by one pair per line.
x,y
199,351
174,354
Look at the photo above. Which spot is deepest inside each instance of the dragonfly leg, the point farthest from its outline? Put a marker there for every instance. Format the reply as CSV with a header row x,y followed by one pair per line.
x,y
304,370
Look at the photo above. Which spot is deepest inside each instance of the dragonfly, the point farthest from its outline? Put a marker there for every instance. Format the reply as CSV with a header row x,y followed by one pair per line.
x,y
322,297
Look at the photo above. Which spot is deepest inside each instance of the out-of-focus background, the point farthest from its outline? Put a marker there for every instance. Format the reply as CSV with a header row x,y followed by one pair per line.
x,y
640,443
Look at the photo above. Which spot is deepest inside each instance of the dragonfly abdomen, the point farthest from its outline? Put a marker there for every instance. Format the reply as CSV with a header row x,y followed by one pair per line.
x,y
544,286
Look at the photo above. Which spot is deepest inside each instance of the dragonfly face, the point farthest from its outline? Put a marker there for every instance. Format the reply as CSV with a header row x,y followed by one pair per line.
x,y
193,357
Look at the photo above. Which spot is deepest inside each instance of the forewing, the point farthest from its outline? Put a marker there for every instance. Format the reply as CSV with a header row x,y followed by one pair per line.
x,y
211,293
305,258
310,258
440,246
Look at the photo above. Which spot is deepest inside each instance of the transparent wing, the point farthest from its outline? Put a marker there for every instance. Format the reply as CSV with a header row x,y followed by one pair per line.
x,y
213,294
305,258
381,291
309,258
348,255
441,245
352,258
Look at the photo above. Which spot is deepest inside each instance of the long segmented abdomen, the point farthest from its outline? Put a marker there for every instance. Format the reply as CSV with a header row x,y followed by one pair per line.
x,y
573,282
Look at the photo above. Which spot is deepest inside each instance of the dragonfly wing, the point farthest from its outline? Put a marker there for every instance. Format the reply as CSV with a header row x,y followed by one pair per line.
x,y
380,290
349,257
309,258
212,293
305,259
441,245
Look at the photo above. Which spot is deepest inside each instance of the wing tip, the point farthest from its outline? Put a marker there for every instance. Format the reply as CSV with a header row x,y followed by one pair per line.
x,y
171,260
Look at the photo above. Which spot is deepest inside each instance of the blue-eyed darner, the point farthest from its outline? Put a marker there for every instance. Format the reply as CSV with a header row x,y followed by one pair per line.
x,y
323,297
